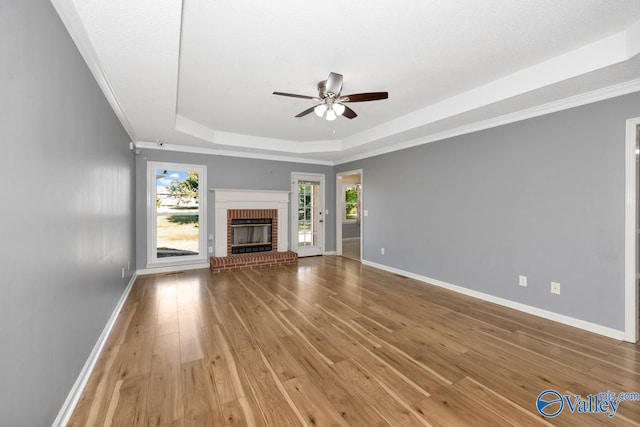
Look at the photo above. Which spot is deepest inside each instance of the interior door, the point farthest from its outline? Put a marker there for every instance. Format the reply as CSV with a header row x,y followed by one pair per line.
x,y
307,214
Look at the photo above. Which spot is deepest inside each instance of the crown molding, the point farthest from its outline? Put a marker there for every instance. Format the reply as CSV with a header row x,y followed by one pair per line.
x,y
540,110
229,153
71,19
198,130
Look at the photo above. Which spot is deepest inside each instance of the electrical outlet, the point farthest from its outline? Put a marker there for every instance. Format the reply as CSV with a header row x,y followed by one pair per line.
x,y
210,249
382,251
523,280
555,288
210,236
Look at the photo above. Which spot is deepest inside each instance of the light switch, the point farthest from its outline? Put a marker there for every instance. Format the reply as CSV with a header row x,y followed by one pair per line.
x,y
365,212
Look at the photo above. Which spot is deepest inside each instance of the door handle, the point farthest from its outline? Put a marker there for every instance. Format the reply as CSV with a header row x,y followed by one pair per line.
x,y
320,220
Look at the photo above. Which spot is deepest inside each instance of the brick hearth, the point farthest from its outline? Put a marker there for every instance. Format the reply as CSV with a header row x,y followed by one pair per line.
x,y
261,259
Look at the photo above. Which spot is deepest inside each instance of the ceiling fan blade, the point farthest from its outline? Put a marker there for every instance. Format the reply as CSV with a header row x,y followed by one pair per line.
x,y
293,95
334,83
361,97
349,113
305,112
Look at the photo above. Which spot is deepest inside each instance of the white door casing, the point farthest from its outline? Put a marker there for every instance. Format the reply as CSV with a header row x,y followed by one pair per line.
x,y
340,203
307,213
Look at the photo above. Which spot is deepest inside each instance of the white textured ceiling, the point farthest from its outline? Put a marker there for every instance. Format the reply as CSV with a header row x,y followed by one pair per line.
x,y
199,74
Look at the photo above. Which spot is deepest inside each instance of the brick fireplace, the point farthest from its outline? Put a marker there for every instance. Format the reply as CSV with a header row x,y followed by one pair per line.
x,y
253,207
252,214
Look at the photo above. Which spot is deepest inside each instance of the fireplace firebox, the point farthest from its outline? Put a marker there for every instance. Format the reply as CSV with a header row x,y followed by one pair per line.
x,y
250,235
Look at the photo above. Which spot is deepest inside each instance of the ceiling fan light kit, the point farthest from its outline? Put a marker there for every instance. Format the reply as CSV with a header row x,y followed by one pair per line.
x,y
320,109
332,102
339,109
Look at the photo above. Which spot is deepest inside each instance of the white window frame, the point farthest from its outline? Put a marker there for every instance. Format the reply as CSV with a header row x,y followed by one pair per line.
x,y
152,250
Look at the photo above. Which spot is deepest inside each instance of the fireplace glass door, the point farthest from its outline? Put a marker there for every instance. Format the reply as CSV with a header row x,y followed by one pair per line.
x,y
251,235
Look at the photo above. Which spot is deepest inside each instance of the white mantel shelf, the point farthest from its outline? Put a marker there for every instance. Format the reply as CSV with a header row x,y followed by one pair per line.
x,y
226,194
225,199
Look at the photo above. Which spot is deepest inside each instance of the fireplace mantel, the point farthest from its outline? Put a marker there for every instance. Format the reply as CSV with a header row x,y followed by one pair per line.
x,y
225,199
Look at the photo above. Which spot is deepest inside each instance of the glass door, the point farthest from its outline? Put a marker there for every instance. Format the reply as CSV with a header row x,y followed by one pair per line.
x,y
176,218
308,214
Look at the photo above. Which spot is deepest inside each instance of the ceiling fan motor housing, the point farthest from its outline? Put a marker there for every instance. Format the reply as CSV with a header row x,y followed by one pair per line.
x,y
322,89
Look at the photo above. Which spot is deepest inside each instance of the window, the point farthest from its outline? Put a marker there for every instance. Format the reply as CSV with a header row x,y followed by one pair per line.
x,y
351,202
176,213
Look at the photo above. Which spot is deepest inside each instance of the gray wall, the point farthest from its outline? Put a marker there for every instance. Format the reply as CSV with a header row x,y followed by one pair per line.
x,y
236,173
542,197
67,213
350,230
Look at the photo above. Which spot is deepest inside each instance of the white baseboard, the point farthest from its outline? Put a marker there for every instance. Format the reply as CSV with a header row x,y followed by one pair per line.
x,y
76,391
329,253
172,268
350,239
556,317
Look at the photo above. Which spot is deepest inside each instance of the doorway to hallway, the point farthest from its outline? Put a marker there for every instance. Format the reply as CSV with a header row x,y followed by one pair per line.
x,y
349,214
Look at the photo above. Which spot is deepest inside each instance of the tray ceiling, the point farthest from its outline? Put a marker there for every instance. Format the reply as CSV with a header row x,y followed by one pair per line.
x,y
199,75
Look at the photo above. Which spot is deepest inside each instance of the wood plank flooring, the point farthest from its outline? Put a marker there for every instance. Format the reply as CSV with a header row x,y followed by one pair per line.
x,y
333,342
351,248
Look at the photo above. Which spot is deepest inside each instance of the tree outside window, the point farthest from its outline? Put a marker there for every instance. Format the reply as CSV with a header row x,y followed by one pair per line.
x,y
351,202
185,190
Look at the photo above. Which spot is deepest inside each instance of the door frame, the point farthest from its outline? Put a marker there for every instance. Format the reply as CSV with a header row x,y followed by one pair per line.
x,y
152,260
295,176
631,324
340,209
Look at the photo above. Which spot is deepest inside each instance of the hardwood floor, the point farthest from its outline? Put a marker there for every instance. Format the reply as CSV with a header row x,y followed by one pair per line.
x,y
351,248
333,342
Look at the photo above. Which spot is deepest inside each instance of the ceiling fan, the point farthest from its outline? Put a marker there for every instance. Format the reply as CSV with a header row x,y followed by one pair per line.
x,y
331,101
